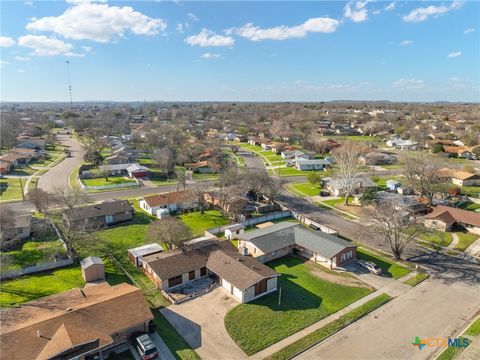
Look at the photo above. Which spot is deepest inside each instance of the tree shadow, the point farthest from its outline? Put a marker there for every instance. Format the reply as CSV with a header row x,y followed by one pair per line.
x,y
189,330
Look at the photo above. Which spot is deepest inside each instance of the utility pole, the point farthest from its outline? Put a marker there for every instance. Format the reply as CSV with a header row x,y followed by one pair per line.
x,y
69,83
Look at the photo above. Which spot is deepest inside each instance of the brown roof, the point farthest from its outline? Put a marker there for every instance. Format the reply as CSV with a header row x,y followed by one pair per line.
x,y
51,325
457,174
455,149
451,215
167,198
24,151
109,207
11,157
221,258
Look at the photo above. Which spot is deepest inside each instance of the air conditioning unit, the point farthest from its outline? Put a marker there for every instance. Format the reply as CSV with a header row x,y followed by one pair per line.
x,y
243,250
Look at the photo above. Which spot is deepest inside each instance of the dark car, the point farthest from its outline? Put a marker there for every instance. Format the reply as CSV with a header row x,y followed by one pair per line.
x,y
145,347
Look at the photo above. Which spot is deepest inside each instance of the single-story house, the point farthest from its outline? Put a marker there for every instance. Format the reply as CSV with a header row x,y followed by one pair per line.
x,y
402,144
107,213
294,154
80,323
444,218
136,254
255,141
32,143
378,158
327,145
401,202
137,171
5,167
116,169
233,230
242,276
18,228
461,178
284,238
312,164
166,202
336,187
203,167
241,138
460,151
117,159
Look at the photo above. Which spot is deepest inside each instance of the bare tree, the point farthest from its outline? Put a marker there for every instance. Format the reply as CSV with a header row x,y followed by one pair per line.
x,y
164,158
170,231
423,174
42,200
255,182
198,197
395,227
347,158
181,178
7,222
105,173
69,198
313,178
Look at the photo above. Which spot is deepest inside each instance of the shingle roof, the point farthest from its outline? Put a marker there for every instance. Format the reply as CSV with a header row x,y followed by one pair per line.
x,y
92,211
91,260
221,258
71,318
451,215
458,174
278,236
167,198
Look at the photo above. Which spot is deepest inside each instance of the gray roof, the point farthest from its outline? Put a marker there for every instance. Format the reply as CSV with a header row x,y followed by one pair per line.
x,y
91,260
145,249
137,167
235,227
326,161
108,207
285,234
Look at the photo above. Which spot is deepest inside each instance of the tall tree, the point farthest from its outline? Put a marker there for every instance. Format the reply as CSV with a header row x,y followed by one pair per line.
x,y
170,231
42,200
164,158
347,158
69,198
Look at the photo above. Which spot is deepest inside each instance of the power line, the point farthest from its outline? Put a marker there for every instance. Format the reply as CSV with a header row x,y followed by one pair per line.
x,y
69,82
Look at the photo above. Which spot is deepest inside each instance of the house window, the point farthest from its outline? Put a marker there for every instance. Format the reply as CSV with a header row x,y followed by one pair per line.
x,y
109,219
191,275
274,253
203,271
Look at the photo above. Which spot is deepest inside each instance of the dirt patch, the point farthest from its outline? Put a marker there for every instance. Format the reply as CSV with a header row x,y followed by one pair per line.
x,y
352,209
340,278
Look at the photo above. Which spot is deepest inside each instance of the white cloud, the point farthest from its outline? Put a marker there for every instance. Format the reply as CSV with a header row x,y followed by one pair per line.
x,y
6,41
454,54
209,38
423,13
406,42
469,31
356,11
179,28
85,20
45,46
210,56
87,48
28,3
283,32
22,58
409,84
390,7
3,63
193,17
376,12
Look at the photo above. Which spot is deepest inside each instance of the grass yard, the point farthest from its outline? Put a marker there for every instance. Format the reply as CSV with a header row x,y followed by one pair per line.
x,y
389,267
306,299
30,287
112,180
291,350
11,189
452,352
34,252
465,239
417,279
307,189
333,202
198,223
472,191
437,237
290,171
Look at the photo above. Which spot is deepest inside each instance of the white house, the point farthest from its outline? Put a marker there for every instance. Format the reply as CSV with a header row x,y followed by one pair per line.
x,y
161,205
402,144
233,230
312,164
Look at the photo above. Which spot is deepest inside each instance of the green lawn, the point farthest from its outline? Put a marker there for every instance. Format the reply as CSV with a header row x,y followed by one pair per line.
x,y
198,223
306,299
112,180
389,267
474,329
291,350
333,202
41,250
32,287
452,352
470,206
437,237
11,189
417,279
307,189
290,171
465,239
472,191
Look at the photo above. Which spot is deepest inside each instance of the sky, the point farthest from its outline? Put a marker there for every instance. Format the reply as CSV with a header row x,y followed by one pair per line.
x,y
240,51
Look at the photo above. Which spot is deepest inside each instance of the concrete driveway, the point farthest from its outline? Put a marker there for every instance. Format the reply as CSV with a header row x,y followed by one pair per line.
x,y
201,322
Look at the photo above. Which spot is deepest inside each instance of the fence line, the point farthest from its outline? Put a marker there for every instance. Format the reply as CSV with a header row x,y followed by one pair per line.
x,y
35,269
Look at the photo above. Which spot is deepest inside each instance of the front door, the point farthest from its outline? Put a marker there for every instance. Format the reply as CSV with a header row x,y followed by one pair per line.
x,y
260,287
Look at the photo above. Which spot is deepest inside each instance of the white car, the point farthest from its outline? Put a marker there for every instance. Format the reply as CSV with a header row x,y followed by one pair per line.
x,y
370,266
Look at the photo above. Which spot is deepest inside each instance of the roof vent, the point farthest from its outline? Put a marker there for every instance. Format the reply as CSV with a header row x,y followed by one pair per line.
x,y
69,309
253,267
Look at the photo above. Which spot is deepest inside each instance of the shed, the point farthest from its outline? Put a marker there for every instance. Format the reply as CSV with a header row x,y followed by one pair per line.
x,y
93,269
233,230
136,254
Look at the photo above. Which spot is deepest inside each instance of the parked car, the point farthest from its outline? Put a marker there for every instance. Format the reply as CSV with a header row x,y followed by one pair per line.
x,y
370,266
324,193
145,347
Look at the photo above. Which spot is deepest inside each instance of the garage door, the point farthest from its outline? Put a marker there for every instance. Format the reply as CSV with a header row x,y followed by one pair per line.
x,y
177,280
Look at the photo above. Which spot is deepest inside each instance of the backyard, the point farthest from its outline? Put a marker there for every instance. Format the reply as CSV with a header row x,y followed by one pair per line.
x,y
198,222
11,189
306,298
